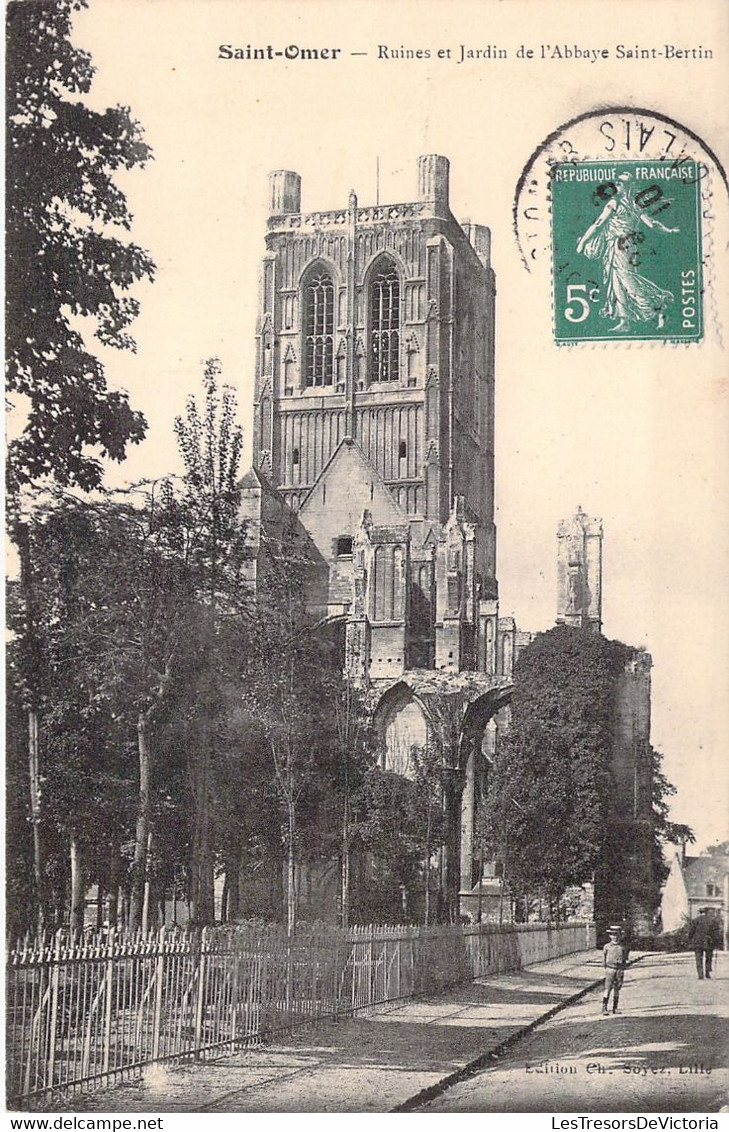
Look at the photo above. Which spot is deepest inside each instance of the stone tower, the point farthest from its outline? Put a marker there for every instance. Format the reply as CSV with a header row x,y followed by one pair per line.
x,y
579,572
374,436
579,605
374,419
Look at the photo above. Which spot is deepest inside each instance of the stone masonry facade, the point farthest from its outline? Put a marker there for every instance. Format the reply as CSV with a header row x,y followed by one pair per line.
x,y
374,427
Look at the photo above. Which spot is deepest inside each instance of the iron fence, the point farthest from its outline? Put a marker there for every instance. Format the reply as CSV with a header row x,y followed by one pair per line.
x,y
83,1012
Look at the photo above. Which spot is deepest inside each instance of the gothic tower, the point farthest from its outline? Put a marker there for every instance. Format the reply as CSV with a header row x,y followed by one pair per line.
x,y
374,417
579,572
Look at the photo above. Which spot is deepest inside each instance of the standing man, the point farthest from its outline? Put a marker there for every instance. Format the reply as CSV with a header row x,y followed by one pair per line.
x,y
702,937
614,958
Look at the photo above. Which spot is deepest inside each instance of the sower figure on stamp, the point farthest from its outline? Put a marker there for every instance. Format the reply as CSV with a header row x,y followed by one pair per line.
x,y
703,936
614,959
614,238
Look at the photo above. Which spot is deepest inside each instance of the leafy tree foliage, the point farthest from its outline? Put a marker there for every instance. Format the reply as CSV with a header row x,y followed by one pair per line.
x,y
354,756
157,676
213,546
291,678
400,826
109,639
664,830
64,257
210,443
548,809
67,271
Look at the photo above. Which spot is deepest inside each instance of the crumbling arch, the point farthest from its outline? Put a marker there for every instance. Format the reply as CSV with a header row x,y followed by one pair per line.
x,y
477,749
402,723
453,713
476,717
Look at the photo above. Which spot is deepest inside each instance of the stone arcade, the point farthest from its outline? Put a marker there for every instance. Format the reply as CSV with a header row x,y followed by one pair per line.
x,y
374,423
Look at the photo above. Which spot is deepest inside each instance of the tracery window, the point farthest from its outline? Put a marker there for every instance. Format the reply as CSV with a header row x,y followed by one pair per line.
x,y
385,325
319,329
384,584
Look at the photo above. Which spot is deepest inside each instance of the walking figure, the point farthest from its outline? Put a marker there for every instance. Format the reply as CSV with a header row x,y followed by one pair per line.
x,y
614,958
703,938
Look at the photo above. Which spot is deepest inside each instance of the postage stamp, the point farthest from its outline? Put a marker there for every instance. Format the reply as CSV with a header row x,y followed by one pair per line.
x,y
626,251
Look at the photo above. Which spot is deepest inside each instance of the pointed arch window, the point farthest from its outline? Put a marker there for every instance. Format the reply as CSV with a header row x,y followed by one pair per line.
x,y
319,328
385,324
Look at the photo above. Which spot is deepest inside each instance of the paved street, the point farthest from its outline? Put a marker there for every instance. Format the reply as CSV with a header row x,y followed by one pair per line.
x,y
371,1063
666,1051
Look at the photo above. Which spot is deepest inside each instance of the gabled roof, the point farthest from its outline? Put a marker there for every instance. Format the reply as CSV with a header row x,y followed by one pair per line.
x,y
361,487
700,871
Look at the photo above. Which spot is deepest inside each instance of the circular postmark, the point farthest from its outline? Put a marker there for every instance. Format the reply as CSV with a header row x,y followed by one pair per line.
x,y
618,205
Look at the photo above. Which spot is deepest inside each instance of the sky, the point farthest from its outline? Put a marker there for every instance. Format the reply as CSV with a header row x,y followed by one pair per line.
x,y
636,434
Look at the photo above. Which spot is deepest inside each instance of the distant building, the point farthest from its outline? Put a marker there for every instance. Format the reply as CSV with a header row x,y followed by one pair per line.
x,y
693,883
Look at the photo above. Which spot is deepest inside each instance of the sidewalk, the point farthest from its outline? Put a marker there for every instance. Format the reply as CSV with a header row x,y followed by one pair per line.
x,y
373,1063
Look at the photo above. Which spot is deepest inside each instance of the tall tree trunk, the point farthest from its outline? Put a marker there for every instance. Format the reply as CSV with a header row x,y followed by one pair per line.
x,y
203,882
426,909
291,869
77,886
35,818
139,867
232,876
31,675
147,884
345,860
114,875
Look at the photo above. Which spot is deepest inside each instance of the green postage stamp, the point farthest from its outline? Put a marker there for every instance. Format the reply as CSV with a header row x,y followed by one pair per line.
x,y
626,251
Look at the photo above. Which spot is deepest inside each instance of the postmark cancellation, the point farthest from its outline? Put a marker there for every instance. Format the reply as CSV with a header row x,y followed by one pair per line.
x,y
617,213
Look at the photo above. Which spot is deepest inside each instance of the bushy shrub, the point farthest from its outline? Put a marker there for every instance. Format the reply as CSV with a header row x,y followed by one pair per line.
x,y
667,941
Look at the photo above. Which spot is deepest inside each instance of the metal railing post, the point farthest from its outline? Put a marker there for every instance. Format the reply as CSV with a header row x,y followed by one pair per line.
x,y
55,977
200,1004
108,990
158,988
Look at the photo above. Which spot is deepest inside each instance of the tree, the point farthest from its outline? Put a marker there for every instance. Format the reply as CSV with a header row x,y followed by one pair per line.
x,y
353,742
446,712
64,258
430,782
288,666
400,821
210,442
116,630
99,636
162,626
64,263
548,811
664,830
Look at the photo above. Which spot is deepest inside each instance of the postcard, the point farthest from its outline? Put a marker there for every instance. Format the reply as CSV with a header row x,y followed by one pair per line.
x,y
462,264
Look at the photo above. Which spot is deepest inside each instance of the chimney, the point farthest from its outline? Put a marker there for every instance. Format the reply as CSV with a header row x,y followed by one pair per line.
x,y
479,238
433,182
284,192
